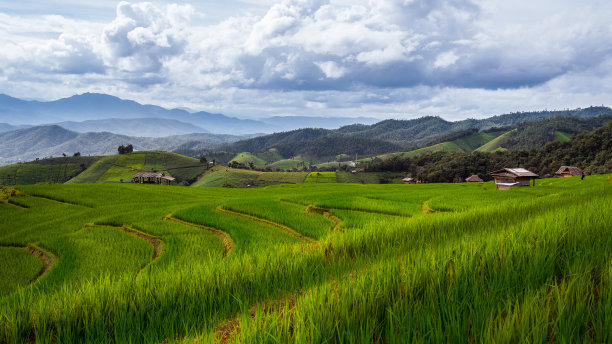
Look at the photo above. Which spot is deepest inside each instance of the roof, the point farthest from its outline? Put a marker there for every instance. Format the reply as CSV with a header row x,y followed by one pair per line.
x,y
574,171
519,172
408,179
473,178
152,175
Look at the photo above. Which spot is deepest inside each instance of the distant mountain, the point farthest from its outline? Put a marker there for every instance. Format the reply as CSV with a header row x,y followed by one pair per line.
x,y
53,140
94,106
148,127
7,127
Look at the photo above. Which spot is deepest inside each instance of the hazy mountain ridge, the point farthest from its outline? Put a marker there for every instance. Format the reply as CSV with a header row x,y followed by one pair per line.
x,y
53,140
96,107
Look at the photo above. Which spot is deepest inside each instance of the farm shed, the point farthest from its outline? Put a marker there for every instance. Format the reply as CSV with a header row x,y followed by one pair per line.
x,y
474,179
569,171
409,180
509,177
152,178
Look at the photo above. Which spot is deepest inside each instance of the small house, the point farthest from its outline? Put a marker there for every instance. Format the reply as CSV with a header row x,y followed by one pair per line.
x,y
152,178
474,179
509,177
569,171
409,180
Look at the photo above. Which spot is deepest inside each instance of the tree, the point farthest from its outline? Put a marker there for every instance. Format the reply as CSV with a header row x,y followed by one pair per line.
x,y
125,149
77,154
203,160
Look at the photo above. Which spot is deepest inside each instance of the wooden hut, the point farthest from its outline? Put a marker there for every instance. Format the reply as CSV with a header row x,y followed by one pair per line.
x,y
509,177
474,179
569,171
409,180
152,178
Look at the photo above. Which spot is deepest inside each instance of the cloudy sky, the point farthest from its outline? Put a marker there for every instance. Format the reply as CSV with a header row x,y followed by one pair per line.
x,y
378,58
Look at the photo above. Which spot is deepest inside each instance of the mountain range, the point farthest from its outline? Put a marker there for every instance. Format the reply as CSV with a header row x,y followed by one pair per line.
x,y
102,112
53,140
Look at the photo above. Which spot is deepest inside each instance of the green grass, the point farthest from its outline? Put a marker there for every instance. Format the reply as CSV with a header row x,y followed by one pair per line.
x,y
246,158
563,137
124,168
229,177
495,144
17,268
321,177
370,177
529,264
285,164
273,178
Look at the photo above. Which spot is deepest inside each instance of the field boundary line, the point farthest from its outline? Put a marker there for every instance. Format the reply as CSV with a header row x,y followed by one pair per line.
x,y
62,201
48,259
226,239
327,214
158,244
283,228
348,209
22,207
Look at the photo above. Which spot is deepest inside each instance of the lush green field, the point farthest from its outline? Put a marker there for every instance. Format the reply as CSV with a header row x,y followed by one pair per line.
x,y
370,177
312,262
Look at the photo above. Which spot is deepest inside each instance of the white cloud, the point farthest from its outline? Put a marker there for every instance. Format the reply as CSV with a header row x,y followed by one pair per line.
x,y
359,56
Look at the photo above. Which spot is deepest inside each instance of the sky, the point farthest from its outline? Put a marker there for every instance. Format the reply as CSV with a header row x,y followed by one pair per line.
x,y
377,58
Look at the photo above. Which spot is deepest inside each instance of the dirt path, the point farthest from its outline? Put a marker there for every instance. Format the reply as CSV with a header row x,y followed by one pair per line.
x,y
226,240
326,213
283,228
48,258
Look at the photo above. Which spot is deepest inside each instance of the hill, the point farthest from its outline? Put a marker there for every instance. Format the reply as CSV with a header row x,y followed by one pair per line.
x,y
53,170
115,168
49,141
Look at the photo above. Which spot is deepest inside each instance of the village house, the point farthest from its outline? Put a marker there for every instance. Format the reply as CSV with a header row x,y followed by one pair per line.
x,y
474,179
509,177
152,178
409,180
569,171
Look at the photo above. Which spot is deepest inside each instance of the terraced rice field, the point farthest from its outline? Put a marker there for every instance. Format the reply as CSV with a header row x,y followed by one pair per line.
x,y
311,262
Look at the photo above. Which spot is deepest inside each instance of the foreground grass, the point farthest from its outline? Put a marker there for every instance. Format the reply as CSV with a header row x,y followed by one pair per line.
x,y
528,264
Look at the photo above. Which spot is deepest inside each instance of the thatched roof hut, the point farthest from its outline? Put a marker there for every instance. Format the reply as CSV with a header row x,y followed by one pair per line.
x,y
569,171
152,178
474,179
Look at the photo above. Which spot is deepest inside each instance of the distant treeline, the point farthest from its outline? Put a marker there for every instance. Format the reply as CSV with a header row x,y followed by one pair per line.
x,y
590,151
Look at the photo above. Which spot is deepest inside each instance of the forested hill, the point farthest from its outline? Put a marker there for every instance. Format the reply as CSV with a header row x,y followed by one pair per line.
x,y
408,134
590,151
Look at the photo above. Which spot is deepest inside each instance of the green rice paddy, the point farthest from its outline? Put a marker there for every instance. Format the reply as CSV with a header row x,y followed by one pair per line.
x,y
308,263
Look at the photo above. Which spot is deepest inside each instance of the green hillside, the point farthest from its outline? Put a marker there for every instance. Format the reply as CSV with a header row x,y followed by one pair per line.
x,y
247,158
563,137
52,170
114,168
496,143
